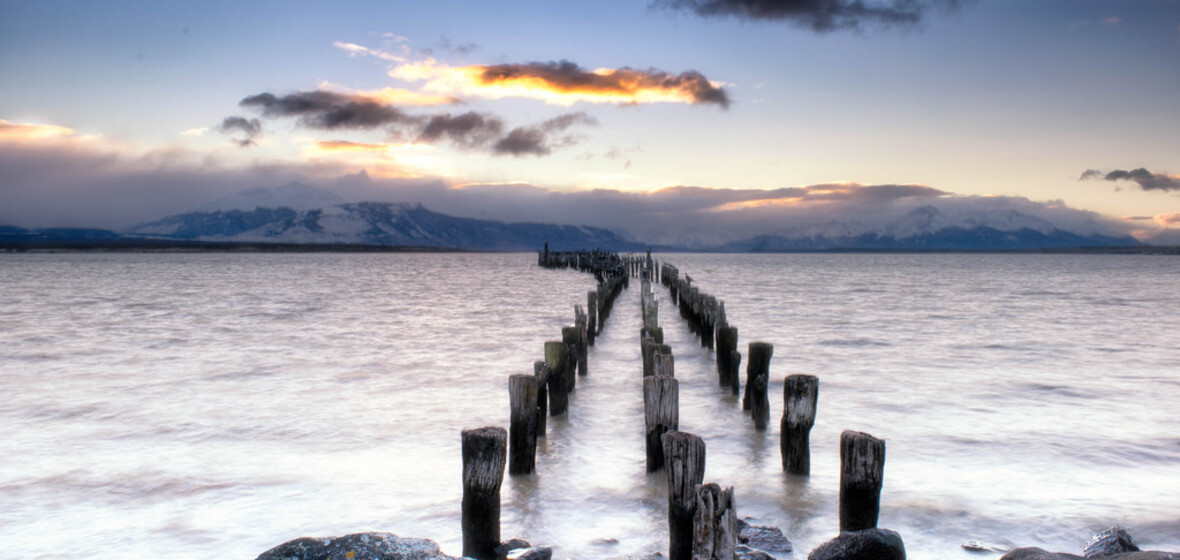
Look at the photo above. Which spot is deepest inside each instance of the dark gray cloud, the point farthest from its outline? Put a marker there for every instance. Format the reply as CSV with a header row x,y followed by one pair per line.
x,y
818,15
328,110
542,139
1146,180
469,130
250,127
567,77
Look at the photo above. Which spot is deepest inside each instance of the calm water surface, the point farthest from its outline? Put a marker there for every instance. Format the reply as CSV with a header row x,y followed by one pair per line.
x,y
213,406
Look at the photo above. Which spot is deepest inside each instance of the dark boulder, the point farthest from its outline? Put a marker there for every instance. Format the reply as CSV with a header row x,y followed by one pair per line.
x,y
359,546
769,539
1033,553
869,544
1109,542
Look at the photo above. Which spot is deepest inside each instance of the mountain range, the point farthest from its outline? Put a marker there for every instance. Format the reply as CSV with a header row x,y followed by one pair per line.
x,y
305,217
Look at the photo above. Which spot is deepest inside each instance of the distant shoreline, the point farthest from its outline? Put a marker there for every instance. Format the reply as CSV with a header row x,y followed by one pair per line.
x,y
171,246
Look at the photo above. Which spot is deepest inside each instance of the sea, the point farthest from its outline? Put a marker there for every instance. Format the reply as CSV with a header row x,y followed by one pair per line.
x,y
215,405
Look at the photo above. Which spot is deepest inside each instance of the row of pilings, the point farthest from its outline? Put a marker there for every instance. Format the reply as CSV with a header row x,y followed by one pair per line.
x,y
862,456
532,399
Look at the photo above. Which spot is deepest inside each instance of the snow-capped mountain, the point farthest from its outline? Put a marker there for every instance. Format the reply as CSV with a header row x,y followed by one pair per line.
x,y
930,228
373,223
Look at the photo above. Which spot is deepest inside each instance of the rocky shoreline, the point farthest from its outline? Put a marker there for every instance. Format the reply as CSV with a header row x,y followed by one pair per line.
x,y
755,543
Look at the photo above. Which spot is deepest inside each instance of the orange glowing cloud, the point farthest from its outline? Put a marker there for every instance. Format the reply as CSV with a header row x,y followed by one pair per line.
x,y
391,96
11,131
564,83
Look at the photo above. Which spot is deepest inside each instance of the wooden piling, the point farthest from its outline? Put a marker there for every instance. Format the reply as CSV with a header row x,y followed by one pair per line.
x,y
569,335
735,365
800,395
727,338
862,471
541,372
758,381
662,363
522,431
684,459
714,527
661,411
483,471
557,358
592,315
651,333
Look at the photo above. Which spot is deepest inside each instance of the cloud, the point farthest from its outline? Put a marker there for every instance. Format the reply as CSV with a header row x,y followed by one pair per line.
x,y
565,83
25,131
539,140
468,130
250,127
328,110
346,146
1146,180
819,15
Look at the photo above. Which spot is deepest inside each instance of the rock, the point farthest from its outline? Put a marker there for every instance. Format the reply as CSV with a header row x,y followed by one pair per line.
x,y
1111,541
359,546
869,544
1033,553
743,552
532,553
769,539
510,545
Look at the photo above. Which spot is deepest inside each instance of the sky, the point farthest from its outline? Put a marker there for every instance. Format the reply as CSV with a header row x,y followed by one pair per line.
x,y
661,118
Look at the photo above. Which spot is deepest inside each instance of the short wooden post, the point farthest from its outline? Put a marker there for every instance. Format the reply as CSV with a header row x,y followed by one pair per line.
x,y
727,338
651,333
522,431
661,411
541,372
714,527
483,471
684,459
583,340
757,361
862,471
648,349
735,366
592,312
662,363
557,358
800,395
569,335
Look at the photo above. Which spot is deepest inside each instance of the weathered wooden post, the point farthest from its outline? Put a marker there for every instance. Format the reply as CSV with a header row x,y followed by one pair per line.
x,y
757,361
651,333
592,310
727,338
522,431
569,335
862,471
757,383
714,527
800,395
735,366
661,411
541,372
684,459
483,471
557,358
662,363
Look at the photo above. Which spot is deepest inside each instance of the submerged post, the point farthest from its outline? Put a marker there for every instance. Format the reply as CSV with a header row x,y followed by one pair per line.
x,y
557,358
522,431
800,395
661,411
758,381
541,372
684,458
862,471
483,471
714,527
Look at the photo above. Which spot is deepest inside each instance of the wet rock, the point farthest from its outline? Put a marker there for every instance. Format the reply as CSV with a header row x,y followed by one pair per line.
x,y
869,544
359,546
510,545
1033,553
743,552
532,553
769,539
1111,541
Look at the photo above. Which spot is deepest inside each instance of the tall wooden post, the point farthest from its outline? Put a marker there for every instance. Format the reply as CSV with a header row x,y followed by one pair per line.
x,y
862,471
684,459
483,471
714,532
727,338
522,431
541,372
557,358
800,395
757,362
735,366
661,408
758,382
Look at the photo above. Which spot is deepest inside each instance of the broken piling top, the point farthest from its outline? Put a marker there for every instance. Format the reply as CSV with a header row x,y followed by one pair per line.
x,y
800,396
862,473
684,460
484,451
